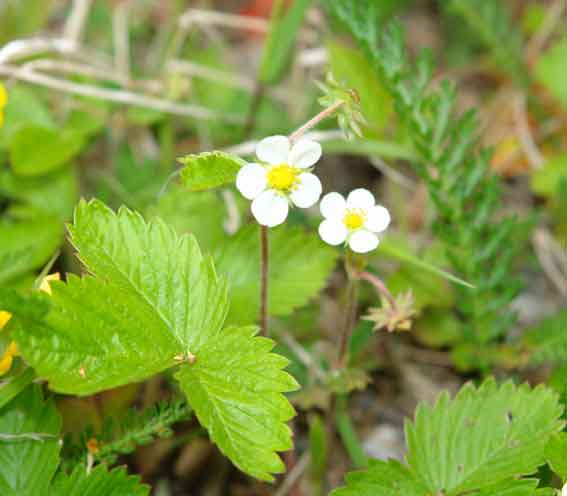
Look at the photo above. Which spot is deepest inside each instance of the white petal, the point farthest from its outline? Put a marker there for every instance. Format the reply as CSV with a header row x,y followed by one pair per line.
x,y
251,180
270,209
333,206
360,198
308,190
377,218
305,153
363,241
274,150
333,232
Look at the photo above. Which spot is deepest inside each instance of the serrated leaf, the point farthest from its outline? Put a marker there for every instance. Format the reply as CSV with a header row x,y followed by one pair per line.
x,y
235,387
153,297
209,170
556,454
27,464
152,302
35,150
382,479
300,264
100,482
512,487
15,383
482,437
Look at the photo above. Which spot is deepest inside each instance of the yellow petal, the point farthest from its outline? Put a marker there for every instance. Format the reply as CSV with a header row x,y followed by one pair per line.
x,y
12,349
3,96
44,286
4,318
5,363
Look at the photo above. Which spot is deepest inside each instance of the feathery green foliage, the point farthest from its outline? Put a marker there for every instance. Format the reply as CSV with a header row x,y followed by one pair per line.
x,y
466,194
477,443
491,22
548,340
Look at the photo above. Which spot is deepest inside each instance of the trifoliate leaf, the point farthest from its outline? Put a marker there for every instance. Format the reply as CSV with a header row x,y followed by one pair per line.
x,y
29,444
382,479
35,150
100,482
153,299
152,302
235,387
481,437
300,264
209,170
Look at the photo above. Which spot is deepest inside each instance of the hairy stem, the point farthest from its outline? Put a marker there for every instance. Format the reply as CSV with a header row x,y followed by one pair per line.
x,y
264,271
380,287
315,120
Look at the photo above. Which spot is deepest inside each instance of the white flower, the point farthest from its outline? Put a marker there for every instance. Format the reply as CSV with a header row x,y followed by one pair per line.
x,y
355,220
564,490
281,176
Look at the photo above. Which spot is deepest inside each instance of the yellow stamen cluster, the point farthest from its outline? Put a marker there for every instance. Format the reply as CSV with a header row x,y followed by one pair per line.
x,y
283,177
354,219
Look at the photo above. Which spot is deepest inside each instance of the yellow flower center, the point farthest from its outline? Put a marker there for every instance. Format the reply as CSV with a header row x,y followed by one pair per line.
x,y
354,219
283,177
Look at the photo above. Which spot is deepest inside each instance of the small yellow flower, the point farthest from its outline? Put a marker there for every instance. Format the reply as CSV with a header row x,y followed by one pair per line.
x,y
3,100
11,351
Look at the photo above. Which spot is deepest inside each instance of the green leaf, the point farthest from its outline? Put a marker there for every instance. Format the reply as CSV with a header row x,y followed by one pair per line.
x,y
100,482
15,383
545,181
185,212
152,302
556,454
209,170
54,194
235,387
284,27
551,71
300,264
383,479
481,437
153,297
548,340
352,69
23,108
512,487
29,444
27,243
35,150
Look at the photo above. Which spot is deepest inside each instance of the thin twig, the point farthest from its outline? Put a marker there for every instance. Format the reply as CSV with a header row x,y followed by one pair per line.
x,y
20,49
29,436
393,175
552,259
75,22
118,96
264,279
539,39
294,475
121,40
302,354
211,17
232,222
525,137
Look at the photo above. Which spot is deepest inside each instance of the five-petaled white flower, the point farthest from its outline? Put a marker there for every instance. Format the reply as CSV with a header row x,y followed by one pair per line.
x,y
355,220
281,177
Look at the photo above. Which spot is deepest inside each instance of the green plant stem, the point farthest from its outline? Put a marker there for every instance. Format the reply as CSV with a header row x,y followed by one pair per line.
x,y
264,279
348,434
349,316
